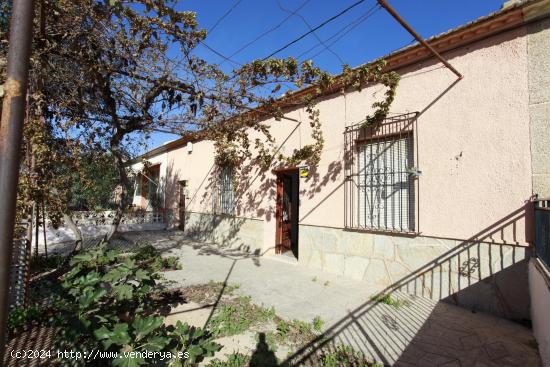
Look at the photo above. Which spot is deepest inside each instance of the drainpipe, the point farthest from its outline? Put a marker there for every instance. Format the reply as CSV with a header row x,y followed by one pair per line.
x,y
409,29
11,133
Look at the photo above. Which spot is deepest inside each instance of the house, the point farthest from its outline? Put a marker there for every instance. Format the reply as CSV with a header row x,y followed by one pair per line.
x,y
433,202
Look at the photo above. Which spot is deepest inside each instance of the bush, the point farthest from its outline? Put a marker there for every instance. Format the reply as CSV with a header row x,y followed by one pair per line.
x,y
20,317
106,303
149,256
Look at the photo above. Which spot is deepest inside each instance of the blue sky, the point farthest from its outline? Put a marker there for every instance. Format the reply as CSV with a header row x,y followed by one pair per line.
x,y
369,33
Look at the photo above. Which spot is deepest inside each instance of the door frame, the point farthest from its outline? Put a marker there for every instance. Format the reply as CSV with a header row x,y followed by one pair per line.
x,y
279,209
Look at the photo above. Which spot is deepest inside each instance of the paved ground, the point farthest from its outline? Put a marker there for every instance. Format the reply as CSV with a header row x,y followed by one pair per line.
x,y
420,332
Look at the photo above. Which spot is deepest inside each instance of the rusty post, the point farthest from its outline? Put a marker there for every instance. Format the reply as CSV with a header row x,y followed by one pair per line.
x,y
409,29
11,131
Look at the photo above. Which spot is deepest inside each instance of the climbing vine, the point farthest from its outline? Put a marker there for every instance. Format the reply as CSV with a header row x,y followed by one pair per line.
x,y
232,141
112,71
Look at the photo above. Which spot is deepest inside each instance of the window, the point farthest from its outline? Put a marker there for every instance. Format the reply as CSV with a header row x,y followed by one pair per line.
x,y
182,192
381,175
137,185
154,193
148,187
226,196
385,183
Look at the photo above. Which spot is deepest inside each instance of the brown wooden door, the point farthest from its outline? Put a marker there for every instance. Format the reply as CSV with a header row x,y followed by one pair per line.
x,y
286,213
181,204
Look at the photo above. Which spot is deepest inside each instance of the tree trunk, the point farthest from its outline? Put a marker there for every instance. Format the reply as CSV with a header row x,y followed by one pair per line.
x,y
76,231
123,198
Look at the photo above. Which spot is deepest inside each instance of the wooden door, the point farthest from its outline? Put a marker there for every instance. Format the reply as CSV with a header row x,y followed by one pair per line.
x,y
285,213
181,204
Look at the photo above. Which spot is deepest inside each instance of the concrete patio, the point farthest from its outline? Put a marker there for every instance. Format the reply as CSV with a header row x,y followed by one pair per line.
x,y
421,332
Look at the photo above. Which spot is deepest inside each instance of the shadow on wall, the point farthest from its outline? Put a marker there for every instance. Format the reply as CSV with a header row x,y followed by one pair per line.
x,y
253,199
261,202
477,273
228,231
225,230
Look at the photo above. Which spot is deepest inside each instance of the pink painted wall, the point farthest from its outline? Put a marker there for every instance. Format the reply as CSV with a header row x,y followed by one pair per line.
x,y
195,167
473,148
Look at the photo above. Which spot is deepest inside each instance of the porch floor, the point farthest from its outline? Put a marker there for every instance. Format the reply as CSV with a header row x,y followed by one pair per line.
x,y
420,332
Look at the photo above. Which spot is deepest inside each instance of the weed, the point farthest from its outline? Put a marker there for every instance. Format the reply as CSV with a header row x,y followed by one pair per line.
x,y
318,323
314,279
166,263
233,360
238,316
344,355
296,331
302,326
327,283
389,300
272,339
219,286
283,327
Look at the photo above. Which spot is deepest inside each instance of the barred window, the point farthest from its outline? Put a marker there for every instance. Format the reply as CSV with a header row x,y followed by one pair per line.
x,y
226,194
381,175
385,185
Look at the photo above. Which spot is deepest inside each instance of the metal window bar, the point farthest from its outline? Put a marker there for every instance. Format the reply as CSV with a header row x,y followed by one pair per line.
x,y
542,230
380,190
226,190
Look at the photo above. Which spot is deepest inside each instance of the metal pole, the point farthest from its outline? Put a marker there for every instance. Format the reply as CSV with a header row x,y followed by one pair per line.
x,y
405,25
11,131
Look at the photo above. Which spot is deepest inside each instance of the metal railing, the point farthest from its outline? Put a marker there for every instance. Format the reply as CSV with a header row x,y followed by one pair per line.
x,y
20,271
542,230
105,217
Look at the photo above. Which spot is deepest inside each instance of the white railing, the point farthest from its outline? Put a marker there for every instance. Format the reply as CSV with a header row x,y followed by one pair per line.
x,y
106,217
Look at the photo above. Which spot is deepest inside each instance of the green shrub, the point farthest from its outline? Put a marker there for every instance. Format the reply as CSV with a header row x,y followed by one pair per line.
x,y
20,317
106,303
149,256
146,252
